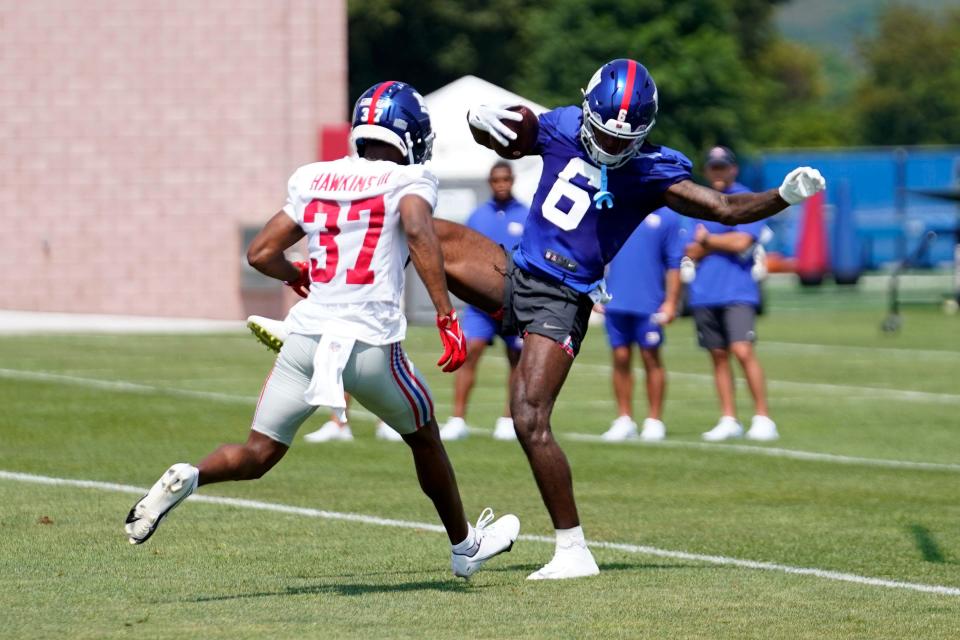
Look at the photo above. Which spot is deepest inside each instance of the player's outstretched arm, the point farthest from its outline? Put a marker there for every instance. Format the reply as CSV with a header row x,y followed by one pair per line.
x,y
416,215
265,253
695,201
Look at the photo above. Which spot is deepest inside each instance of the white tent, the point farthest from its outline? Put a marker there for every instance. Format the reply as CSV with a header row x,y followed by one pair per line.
x,y
461,164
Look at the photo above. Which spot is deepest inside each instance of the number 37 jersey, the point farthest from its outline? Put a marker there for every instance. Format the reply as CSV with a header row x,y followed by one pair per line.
x,y
349,211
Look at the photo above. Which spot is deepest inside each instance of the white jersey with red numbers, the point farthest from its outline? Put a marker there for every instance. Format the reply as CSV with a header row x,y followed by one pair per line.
x,y
349,209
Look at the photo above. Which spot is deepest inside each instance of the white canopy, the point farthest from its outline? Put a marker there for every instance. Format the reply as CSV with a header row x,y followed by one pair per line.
x,y
455,154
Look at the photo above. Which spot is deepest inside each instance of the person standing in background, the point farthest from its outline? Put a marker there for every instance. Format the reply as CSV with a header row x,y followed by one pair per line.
x,y
724,297
501,219
644,280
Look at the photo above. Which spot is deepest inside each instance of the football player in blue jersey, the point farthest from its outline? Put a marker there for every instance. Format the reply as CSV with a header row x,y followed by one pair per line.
x,y
600,179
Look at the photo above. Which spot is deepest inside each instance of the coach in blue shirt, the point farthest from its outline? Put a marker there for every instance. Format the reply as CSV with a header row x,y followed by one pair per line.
x,y
724,297
501,218
644,280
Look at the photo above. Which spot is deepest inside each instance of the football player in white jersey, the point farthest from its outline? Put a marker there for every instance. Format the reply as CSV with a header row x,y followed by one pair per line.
x,y
363,216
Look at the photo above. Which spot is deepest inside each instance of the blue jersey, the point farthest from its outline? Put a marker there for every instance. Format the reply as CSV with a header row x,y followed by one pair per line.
x,y
567,238
636,276
724,278
502,223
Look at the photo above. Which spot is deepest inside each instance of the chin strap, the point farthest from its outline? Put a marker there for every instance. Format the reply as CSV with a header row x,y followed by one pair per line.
x,y
603,198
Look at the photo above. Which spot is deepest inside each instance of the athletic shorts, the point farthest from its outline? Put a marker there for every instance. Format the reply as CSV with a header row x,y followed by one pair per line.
x,y
625,329
380,377
478,325
719,327
535,305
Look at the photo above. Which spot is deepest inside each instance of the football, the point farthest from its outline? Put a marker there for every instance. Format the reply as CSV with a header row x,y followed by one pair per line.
x,y
526,130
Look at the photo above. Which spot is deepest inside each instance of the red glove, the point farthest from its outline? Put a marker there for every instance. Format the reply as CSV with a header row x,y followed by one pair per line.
x,y
302,284
454,344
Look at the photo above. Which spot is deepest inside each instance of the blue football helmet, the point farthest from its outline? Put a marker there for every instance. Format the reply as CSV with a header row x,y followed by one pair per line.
x,y
619,110
393,112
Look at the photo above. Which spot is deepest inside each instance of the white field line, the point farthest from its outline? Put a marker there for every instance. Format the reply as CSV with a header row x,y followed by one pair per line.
x,y
878,393
131,387
775,452
406,524
830,349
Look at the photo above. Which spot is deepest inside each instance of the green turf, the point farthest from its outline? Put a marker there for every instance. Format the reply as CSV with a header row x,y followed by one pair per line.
x,y
221,571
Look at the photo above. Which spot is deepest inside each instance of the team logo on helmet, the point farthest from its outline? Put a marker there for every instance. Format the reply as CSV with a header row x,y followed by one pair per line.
x,y
619,110
394,113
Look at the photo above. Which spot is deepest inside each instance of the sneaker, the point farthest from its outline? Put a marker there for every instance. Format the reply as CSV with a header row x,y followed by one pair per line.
x,y
271,333
623,428
493,538
386,432
454,429
575,561
330,432
653,430
762,429
173,487
728,427
503,429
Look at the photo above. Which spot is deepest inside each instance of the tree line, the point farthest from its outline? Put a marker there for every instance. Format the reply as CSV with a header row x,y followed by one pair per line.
x,y
725,74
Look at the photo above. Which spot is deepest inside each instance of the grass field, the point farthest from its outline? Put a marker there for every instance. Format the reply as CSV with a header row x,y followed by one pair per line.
x,y
873,519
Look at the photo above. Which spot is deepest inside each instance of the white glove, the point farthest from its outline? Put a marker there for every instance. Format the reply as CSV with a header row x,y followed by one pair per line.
x,y
800,184
688,270
487,118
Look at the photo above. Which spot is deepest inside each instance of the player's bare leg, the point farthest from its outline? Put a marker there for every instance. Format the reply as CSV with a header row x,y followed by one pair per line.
x,y
437,480
246,461
623,427
471,546
761,426
623,379
656,381
475,265
753,372
540,374
653,428
728,426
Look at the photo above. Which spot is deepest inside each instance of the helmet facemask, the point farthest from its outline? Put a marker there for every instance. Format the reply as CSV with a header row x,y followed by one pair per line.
x,y
611,143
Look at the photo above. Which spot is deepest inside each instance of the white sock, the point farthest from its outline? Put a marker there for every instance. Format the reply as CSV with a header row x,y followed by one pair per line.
x,y
468,546
569,538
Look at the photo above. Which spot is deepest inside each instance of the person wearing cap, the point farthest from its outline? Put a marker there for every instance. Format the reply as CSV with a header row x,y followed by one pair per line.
x,y
723,297
644,280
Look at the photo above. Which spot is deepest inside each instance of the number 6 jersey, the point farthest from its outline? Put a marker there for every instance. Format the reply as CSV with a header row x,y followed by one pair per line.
x,y
349,210
567,238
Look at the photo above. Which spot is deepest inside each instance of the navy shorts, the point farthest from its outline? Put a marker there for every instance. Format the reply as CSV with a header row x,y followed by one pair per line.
x,y
478,325
625,329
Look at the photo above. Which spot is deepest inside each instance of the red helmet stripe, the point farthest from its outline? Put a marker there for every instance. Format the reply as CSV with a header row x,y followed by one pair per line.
x,y
379,92
628,91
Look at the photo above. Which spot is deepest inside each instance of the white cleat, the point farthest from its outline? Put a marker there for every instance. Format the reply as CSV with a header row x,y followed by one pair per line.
x,y
272,333
503,429
574,561
727,428
621,429
454,429
173,487
762,429
653,430
493,538
330,432
386,432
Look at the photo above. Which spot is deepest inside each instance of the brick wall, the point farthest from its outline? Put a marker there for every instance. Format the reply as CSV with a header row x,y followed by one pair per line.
x,y
138,138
